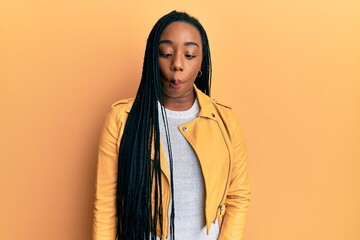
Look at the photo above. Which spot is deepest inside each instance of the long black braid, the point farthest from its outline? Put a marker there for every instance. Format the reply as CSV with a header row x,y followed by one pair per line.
x,y
138,176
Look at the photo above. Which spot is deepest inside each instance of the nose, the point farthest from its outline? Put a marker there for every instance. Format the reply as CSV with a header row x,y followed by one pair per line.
x,y
177,63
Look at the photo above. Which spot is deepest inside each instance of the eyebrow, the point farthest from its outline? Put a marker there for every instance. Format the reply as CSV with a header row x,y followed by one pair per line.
x,y
185,44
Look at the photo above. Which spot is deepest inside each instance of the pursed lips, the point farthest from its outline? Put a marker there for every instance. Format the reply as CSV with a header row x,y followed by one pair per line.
x,y
175,83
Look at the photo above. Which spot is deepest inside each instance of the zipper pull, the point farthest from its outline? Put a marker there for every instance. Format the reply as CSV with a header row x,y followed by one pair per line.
x,y
222,208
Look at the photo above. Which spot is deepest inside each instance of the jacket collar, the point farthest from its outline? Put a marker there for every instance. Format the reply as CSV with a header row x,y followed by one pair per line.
x,y
207,107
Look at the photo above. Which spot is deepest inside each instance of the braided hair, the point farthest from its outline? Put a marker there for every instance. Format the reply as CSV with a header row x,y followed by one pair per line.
x,y
139,172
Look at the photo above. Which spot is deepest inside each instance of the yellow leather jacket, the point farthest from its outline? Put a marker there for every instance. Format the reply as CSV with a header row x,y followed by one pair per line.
x,y
216,137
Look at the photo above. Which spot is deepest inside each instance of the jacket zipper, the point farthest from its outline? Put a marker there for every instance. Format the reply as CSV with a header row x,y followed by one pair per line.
x,y
227,179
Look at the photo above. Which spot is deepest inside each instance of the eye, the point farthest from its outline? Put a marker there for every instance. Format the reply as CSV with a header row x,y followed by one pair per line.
x,y
165,55
189,56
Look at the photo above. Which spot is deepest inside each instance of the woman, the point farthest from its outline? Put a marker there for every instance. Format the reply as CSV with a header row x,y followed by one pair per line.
x,y
172,161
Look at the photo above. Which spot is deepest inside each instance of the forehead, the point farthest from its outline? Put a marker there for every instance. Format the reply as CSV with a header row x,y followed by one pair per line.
x,y
181,31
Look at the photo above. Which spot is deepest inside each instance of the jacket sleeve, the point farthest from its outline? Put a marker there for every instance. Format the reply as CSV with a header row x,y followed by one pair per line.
x,y
105,221
238,195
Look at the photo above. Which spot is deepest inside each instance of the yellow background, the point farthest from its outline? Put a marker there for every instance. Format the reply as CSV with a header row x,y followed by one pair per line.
x,y
290,69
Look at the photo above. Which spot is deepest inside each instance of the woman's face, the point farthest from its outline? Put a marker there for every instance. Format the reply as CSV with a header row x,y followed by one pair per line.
x,y
180,57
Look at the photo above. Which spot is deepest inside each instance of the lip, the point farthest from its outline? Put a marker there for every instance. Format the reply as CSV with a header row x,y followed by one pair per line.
x,y
175,83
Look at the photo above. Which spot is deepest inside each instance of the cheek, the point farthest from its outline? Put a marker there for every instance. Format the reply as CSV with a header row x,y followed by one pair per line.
x,y
195,68
162,67
162,64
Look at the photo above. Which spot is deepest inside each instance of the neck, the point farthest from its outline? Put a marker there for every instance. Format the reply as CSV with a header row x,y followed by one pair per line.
x,y
179,103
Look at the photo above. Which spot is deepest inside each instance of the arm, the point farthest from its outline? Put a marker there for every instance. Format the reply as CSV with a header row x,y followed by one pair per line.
x,y
105,221
238,195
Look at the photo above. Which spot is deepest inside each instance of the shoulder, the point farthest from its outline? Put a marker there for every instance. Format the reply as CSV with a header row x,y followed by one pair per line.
x,y
221,105
122,106
231,121
228,115
122,103
119,111
224,109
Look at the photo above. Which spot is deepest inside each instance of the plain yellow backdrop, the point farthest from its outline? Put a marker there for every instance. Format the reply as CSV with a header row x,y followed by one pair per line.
x,y
290,69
